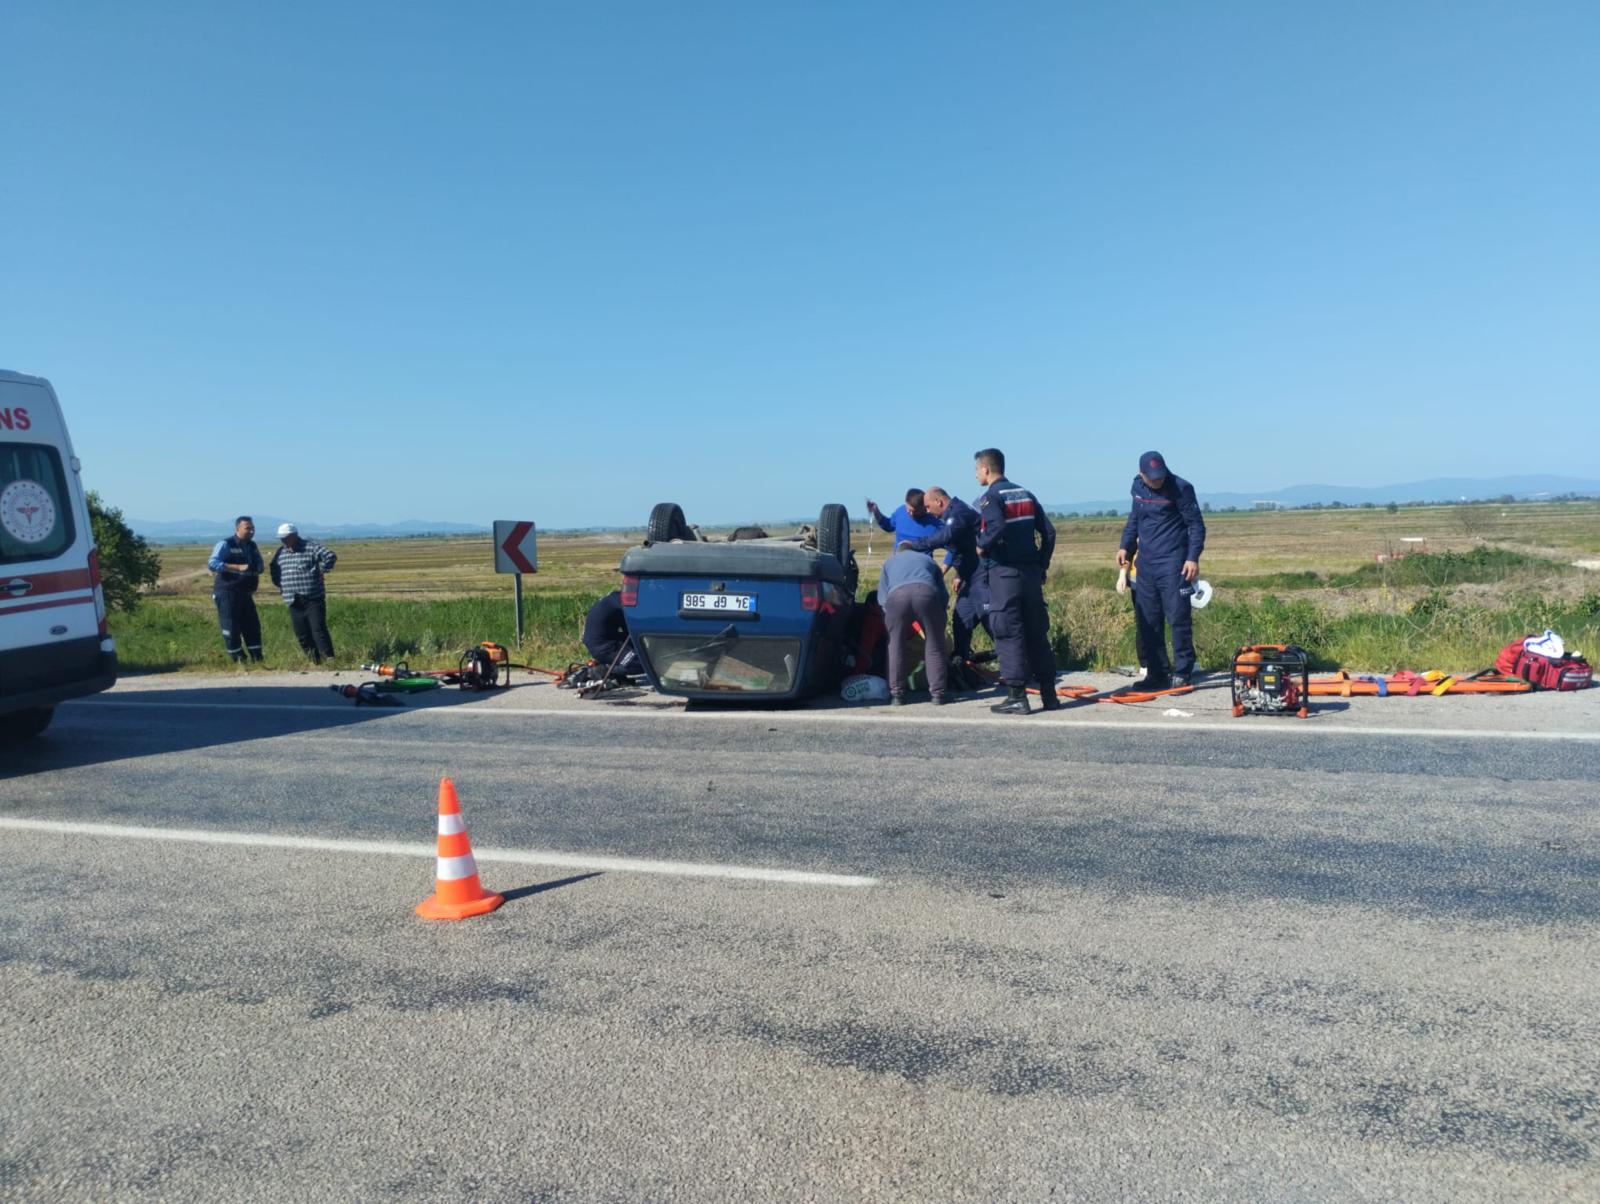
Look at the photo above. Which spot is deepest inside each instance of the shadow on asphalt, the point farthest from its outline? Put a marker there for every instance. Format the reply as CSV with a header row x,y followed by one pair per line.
x,y
538,888
78,736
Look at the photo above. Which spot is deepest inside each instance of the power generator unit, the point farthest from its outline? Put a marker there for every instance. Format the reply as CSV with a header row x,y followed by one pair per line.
x,y
1271,679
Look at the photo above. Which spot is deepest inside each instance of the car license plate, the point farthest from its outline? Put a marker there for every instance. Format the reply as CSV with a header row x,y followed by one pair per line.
x,y
716,604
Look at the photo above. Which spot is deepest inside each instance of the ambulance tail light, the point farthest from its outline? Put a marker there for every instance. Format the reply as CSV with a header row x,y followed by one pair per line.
x,y
630,590
99,591
810,595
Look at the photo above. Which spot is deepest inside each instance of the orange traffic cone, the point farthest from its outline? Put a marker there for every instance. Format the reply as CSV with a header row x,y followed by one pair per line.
x,y
457,893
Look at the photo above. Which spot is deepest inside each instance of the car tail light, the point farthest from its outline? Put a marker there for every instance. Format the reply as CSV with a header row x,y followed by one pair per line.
x,y
630,590
99,592
810,595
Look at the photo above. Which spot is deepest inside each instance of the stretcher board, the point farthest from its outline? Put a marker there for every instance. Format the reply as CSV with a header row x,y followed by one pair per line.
x,y
1406,684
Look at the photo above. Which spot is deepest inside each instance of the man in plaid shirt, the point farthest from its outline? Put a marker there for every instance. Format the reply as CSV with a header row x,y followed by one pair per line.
x,y
297,570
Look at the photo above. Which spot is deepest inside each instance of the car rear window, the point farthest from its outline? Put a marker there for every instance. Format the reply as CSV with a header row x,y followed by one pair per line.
x,y
35,507
724,664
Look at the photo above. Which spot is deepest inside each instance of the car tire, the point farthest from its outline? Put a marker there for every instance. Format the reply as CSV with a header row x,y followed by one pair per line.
x,y
666,524
833,539
25,725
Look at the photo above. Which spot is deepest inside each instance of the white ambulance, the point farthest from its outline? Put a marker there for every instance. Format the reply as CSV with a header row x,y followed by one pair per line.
x,y
54,643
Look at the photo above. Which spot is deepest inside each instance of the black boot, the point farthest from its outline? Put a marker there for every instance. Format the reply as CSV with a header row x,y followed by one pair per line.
x,y
1016,702
1049,700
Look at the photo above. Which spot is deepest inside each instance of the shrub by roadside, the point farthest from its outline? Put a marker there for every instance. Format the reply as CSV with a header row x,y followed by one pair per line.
x,y
1093,629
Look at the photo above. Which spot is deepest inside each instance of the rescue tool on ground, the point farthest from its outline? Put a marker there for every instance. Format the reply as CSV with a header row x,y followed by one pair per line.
x,y
1271,679
478,669
482,667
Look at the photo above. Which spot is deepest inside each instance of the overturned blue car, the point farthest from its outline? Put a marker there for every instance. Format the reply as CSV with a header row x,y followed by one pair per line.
x,y
752,617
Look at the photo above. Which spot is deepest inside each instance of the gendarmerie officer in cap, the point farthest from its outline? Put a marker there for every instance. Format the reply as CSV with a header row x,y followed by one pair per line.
x,y
1167,531
1017,540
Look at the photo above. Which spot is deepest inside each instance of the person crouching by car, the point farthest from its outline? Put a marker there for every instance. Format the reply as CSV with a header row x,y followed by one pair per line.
x,y
298,569
912,589
236,561
605,635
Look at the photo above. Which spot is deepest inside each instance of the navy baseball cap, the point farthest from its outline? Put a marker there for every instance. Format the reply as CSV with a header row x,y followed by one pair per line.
x,y
1153,464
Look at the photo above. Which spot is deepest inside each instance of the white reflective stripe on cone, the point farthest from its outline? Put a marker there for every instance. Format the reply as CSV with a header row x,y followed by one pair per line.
x,y
449,825
451,868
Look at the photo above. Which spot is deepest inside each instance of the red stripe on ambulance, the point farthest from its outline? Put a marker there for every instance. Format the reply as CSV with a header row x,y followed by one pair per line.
x,y
78,600
48,583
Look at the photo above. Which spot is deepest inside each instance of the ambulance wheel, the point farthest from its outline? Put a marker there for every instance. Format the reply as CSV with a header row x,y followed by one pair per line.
x,y
25,725
666,524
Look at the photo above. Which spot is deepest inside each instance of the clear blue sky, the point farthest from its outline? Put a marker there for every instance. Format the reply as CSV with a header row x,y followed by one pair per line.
x,y
753,257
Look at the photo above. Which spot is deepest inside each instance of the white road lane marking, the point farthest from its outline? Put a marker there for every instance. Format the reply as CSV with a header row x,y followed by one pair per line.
x,y
1268,726
575,861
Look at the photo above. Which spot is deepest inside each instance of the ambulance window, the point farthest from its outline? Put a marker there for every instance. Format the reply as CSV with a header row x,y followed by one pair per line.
x,y
35,507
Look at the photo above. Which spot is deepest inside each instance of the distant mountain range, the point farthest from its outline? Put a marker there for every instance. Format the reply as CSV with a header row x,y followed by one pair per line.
x,y
191,530
1439,489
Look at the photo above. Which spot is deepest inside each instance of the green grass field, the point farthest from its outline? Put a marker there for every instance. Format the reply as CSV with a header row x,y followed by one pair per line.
x,y
1489,573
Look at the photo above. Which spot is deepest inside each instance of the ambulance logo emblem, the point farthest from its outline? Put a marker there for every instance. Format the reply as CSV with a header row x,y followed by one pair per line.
x,y
26,511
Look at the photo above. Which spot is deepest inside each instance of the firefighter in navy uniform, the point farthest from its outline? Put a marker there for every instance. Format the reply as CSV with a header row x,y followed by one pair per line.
x,y
1167,532
237,563
605,635
1009,519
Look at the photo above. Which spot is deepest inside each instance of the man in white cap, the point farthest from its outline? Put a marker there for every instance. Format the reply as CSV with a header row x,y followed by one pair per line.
x,y
298,567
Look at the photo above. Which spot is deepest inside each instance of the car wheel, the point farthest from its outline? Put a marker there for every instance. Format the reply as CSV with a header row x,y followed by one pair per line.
x,y
833,533
25,725
666,524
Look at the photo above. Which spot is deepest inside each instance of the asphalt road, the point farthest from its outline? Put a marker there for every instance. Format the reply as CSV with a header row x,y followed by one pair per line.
x,y
1110,954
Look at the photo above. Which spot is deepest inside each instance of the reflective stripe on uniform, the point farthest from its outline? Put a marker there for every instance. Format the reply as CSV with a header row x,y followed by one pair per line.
x,y
1018,505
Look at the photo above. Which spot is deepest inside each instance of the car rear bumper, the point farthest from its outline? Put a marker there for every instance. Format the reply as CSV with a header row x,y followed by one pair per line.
x,y
53,673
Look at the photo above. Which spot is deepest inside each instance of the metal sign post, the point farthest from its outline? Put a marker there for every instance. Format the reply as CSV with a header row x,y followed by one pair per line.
x,y
516,550
516,600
